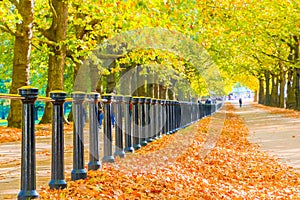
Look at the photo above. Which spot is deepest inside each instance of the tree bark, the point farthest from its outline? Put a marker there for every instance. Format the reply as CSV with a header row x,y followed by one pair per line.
x,y
267,94
274,90
290,99
255,96
261,94
21,60
57,34
282,82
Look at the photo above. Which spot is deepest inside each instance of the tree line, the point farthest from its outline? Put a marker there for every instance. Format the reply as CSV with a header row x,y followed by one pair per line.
x,y
254,43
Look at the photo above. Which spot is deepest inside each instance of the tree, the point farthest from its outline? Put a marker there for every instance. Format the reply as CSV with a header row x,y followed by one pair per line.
x,y
56,36
22,12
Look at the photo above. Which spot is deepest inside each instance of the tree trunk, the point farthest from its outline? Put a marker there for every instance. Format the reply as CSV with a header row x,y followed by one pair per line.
x,y
296,78
296,85
290,99
267,97
150,84
162,91
21,60
255,96
57,34
282,82
274,91
261,94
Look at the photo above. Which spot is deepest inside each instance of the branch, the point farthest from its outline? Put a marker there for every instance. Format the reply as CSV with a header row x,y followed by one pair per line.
x,y
48,42
109,56
15,2
5,28
273,56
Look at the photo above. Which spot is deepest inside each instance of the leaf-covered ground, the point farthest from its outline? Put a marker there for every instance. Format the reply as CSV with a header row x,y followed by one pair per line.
x,y
15,134
274,110
234,169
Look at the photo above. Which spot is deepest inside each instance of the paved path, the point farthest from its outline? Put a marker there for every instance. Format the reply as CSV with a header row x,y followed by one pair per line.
x,y
10,161
278,135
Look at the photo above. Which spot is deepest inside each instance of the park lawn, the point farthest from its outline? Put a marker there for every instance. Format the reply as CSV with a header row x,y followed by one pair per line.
x,y
234,169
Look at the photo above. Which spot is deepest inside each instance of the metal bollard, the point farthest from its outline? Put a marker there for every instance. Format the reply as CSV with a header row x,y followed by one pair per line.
x,y
153,120
172,119
135,117
167,102
28,162
57,164
128,121
148,119
158,118
163,116
118,128
78,171
107,150
143,139
94,162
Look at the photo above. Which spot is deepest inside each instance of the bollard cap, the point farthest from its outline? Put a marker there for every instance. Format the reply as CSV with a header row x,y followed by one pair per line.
x,y
28,92
135,100
127,99
78,96
107,98
58,95
93,95
154,101
148,100
142,99
118,98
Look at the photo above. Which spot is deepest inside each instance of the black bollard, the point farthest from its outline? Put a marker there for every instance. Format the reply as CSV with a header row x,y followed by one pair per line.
x,y
28,162
119,127
143,139
135,119
167,122
148,119
107,150
78,171
153,120
158,118
94,162
163,116
57,165
128,121
172,116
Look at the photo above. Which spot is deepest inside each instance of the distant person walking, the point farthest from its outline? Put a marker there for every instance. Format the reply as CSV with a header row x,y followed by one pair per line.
x,y
241,102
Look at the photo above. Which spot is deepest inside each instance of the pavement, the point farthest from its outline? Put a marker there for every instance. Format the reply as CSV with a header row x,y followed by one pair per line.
x,y
278,135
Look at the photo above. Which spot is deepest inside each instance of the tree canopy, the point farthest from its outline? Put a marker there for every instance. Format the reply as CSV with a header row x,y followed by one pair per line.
x,y
243,41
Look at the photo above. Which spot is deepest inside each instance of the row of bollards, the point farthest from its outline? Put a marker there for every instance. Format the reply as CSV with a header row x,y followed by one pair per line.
x,y
138,121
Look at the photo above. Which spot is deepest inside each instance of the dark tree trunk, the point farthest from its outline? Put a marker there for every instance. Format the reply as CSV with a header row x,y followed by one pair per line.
x,y
21,60
261,94
267,97
282,82
274,91
290,99
57,34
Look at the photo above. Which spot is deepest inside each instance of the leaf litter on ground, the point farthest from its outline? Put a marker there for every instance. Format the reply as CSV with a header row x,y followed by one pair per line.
x,y
233,169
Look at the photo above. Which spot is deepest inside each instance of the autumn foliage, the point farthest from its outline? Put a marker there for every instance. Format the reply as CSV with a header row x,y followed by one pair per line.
x,y
233,169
